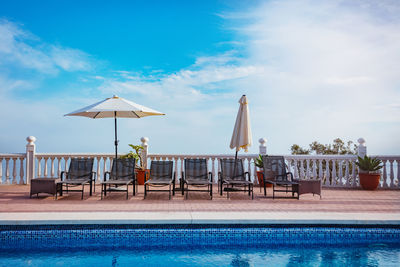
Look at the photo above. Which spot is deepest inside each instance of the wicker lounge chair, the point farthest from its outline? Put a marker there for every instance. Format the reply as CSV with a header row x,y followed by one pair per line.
x,y
282,181
79,174
196,175
234,177
121,176
160,176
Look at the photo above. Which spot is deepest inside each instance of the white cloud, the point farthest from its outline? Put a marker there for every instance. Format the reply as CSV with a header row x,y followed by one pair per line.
x,y
22,49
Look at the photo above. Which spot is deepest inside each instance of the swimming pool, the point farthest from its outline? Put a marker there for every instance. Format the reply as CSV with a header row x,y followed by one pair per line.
x,y
199,245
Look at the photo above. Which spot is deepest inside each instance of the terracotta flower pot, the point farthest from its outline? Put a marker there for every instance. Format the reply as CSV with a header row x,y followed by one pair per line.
x,y
140,176
260,177
369,181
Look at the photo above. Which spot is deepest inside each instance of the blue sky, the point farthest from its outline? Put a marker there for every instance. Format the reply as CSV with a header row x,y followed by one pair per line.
x,y
312,70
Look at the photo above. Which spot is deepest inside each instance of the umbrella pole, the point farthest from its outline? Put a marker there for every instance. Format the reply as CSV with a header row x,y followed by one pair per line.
x,y
235,164
116,145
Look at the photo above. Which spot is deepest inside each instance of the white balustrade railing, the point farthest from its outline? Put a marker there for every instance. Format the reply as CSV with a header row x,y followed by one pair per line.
x,y
213,162
12,168
52,164
333,170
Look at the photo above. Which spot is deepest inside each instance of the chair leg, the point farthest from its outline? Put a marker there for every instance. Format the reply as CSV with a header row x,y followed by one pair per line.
x,y
127,191
211,191
145,191
91,185
169,192
102,186
83,187
133,189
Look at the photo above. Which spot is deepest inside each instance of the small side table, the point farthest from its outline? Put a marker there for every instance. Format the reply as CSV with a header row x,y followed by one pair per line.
x,y
43,185
309,186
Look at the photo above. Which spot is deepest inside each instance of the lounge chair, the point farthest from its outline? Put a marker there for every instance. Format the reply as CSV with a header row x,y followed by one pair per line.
x,y
121,176
233,177
196,175
282,181
160,176
79,174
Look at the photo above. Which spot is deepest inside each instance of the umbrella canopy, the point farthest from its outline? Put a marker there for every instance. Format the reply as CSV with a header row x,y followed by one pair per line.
x,y
115,107
241,137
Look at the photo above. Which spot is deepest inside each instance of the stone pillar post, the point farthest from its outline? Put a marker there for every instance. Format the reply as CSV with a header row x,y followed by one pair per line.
x,y
263,146
362,149
30,158
145,150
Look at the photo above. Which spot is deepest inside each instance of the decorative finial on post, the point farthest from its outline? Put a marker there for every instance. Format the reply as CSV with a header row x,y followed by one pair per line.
x,y
263,147
31,140
362,149
145,150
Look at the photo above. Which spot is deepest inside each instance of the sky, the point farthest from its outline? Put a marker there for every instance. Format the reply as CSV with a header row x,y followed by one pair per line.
x,y
313,70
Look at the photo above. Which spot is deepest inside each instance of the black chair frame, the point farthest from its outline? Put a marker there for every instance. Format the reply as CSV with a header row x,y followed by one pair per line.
x,y
202,180
232,183
281,179
160,181
67,181
119,181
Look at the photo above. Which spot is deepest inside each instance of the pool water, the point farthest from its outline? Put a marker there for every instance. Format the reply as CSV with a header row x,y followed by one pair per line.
x,y
371,255
199,245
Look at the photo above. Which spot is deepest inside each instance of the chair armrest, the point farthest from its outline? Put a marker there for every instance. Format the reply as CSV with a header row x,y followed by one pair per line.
x,y
291,175
210,176
174,178
94,175
183,176
63,175
105,175
219,176
248,176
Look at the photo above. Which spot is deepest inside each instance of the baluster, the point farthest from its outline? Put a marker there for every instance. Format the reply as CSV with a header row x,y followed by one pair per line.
x,y
1,170
353,173
14,174
175,160
65,163
290,167
314,167
301,169
39,168
104,166
52,167
45,166
213,170
346,174
182,167
334,175
328,180
7,171
308,171
99,177
296,170
320,171
21,171
59,166
391,173
255,172
384,172
340,175
398,172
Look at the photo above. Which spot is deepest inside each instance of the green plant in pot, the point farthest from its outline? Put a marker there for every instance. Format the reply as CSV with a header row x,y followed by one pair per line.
x,y
136,153
369,172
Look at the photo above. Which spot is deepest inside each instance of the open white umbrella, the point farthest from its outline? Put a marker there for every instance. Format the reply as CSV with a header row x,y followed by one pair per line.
x,y
115,107
241,137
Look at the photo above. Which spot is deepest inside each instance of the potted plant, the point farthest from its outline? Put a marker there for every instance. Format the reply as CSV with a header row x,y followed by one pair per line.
x,y
136,154
260,174
369,173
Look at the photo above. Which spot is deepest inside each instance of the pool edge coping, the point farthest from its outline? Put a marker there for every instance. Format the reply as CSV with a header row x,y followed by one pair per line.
x,y
276,218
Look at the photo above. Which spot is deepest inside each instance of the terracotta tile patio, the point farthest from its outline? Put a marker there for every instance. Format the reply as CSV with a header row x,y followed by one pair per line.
x,y
15,198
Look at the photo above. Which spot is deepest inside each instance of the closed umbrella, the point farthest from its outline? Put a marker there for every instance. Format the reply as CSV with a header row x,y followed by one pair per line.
x,y
241,137
115,107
